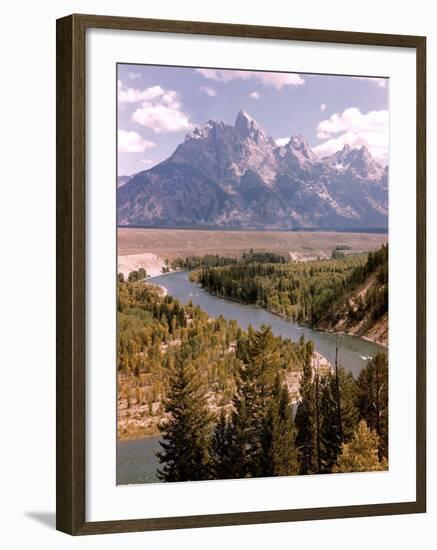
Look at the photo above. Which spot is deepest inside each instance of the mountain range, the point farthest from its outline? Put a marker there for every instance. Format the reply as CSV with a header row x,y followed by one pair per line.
x,y
225,176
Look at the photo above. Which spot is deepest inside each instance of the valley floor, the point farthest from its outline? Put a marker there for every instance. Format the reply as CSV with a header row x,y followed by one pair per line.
x,y
149,247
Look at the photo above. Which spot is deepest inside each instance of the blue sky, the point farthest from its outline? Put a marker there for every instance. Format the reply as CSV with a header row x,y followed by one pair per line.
x,y
158,106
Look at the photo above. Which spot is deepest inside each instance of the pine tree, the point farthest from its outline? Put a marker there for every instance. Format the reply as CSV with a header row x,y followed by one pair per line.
x,y
337,390
185,435
348,398
279,453
372,399
331,436
255,383
361,453
239,464
221,449
305,422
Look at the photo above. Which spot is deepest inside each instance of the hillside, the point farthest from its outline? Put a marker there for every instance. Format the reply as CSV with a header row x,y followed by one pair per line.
x,y
347,294
362,309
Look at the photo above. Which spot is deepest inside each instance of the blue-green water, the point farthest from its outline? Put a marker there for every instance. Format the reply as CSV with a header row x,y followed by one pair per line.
x,y
136,460
353,354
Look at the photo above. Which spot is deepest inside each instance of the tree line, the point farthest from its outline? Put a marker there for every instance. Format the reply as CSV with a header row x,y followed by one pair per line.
x,y
191,263
313,291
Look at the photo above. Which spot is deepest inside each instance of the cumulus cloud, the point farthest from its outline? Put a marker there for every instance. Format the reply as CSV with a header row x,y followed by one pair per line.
x,y
323,107
276,80
132,142
282,141
132,95
255,95
354,128
208,91
160,110
162,114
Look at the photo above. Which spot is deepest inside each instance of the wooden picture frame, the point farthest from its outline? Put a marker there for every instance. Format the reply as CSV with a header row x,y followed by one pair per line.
x,y
71,253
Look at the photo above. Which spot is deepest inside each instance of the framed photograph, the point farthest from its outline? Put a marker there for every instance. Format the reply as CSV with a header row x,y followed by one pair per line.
x,y
240,274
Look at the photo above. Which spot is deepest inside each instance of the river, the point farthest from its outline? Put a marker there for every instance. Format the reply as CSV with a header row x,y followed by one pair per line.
x,y
136,461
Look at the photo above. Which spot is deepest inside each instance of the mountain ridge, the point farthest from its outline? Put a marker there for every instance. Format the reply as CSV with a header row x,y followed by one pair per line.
x,y
224,176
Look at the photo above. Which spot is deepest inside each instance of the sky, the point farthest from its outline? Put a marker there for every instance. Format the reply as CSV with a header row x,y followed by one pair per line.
x,y
158,106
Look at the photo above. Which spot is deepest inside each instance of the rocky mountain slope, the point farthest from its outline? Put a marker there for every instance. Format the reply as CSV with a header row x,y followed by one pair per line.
x,y
122,180
362,309
238,177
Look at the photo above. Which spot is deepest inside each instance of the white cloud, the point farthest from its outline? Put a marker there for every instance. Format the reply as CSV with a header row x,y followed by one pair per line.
x,y
282,141
323,107
134,76
352,119
162,115
208,91
146,161
380,82
132,142
276,80
255,95
160,109
355,128
132,95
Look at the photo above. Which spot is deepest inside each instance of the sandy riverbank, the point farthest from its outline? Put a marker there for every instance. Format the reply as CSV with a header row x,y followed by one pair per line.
x,y
152,263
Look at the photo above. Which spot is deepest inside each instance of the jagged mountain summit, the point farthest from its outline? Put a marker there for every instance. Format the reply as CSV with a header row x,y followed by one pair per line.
x,y
237,177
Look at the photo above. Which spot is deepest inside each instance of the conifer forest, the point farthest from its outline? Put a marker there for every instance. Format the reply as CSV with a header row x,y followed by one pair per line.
x,y
229,402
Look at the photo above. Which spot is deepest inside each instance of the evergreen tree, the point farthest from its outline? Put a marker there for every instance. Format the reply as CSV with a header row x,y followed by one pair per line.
x,y
361,453
222,459
185,435
305,422
279,454
348,399
372,399
255,383
331,436
239,441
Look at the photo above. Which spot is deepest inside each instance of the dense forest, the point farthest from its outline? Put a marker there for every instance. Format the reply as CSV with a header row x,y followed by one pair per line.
x,y
340,424
192,263
321,292
154,332
221,398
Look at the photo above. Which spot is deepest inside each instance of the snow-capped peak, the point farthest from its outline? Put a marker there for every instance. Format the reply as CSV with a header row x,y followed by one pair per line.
x,y
356,159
